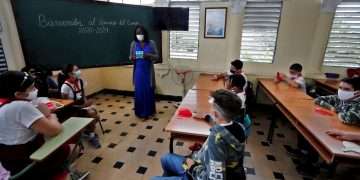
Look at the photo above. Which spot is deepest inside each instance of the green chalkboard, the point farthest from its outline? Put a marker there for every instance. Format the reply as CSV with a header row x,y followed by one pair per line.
x,y
90,34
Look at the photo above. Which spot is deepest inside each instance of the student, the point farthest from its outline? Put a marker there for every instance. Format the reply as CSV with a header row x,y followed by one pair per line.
x,y
346,103
40,80
295,78
221,157
53,87
236,67
22,127
73,88
236,84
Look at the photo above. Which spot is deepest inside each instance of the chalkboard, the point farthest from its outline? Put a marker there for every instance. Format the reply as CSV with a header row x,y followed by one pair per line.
x,y
90,34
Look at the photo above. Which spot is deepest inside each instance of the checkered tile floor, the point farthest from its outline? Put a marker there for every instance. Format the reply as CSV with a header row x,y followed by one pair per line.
x,y
131,148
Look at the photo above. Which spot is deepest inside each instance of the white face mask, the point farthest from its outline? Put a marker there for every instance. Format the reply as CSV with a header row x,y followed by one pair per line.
x,y
345,95
32,95
140,37
292,76
77,73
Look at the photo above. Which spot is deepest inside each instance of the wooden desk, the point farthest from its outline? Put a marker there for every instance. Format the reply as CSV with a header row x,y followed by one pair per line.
x,y
330,86
190,128
205,82
63,102
300,110
71,127
197,100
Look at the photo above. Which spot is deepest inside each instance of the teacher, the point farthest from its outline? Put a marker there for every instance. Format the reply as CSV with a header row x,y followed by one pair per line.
x,y
143,53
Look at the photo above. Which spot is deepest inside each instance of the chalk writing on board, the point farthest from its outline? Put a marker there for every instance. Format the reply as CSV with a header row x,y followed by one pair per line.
x,y
89,26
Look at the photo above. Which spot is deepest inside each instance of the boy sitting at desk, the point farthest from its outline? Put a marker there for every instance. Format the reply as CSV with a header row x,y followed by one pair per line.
x,y
236,84
295,78
221,156
346,103
236,68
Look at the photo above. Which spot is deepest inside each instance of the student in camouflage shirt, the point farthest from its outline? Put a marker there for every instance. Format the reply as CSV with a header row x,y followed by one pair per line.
x,y
346,103
221,156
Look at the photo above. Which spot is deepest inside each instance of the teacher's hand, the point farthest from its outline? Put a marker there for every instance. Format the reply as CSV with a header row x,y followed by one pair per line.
x,y
132,58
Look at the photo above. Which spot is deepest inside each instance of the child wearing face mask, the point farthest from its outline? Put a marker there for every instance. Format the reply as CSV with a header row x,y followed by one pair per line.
x,y
221,156
73,88
294,79
236,84
22,127
236,68
346,103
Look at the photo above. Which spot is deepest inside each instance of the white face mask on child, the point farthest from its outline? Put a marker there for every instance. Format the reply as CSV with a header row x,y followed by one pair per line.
x,y
32,95
77,74
293,76
345,95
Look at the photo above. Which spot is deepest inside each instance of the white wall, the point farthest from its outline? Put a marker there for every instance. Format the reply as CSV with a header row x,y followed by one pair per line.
x,y
10,38
302,38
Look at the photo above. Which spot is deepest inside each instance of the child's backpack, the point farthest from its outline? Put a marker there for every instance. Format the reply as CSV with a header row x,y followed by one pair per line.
x,y
246,122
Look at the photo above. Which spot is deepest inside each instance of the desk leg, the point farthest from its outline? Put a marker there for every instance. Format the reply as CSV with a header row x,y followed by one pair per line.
x,y
271,128
257,92
171,144
332,170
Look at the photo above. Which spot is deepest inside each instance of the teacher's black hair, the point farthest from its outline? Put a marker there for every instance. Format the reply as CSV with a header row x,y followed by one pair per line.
x,y
144,31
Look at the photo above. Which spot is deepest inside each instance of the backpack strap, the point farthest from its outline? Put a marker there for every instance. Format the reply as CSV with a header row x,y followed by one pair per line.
x,y
82,89
75,92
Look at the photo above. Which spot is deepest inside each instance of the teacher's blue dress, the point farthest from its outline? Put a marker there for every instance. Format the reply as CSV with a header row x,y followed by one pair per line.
x,y
144,89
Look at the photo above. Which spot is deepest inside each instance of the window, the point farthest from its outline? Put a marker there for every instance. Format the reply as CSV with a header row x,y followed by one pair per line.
x,y
343,47
185,44
3,65
260,29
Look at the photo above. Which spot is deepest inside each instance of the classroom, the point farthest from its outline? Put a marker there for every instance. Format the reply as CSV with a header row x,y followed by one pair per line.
x,y
180,89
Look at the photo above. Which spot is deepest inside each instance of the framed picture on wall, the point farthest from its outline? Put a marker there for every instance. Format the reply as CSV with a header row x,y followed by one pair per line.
x,y
215,22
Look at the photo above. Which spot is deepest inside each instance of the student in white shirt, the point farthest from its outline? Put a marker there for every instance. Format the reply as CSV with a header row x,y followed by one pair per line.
x,y
295,78
236,84
72,87
22,126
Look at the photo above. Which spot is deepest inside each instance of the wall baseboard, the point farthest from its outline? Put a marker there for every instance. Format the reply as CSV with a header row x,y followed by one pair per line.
x,y
131,93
